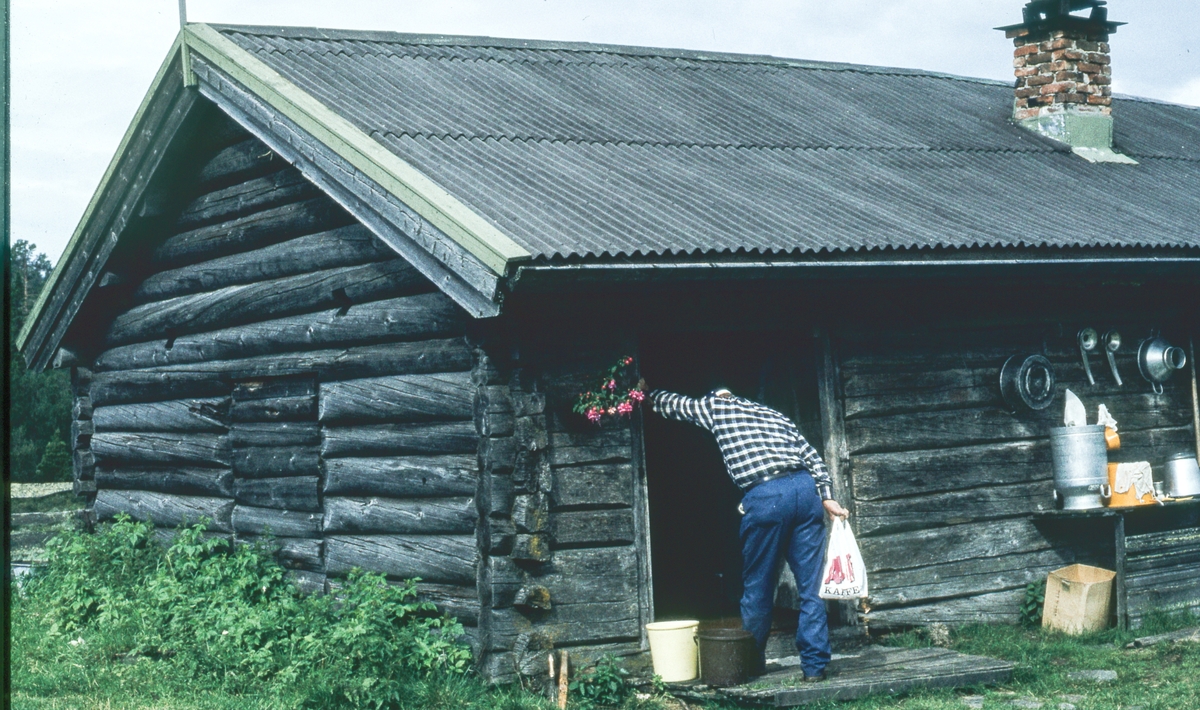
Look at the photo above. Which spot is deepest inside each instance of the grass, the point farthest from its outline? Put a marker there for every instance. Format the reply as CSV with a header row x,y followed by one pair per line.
x,y
1163,677
66,500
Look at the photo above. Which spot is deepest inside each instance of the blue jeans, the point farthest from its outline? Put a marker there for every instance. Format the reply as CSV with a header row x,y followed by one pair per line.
x,y
784,517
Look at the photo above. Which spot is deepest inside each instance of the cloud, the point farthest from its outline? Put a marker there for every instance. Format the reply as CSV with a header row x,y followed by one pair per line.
x,y
1188,93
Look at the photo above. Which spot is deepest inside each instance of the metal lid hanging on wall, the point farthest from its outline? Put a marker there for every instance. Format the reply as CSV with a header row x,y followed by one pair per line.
x,y
1027,383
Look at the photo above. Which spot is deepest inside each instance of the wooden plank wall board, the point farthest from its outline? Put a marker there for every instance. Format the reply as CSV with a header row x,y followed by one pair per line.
x,y
280,371
944,477
1161,570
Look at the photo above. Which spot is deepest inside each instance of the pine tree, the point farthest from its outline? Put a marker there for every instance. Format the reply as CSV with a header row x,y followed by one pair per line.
x,y
56,461
40,402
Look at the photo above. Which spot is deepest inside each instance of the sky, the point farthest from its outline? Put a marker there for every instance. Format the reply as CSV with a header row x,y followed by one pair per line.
x,y
81,67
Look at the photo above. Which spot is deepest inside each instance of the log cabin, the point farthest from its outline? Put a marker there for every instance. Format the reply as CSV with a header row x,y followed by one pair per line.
x,y
343,288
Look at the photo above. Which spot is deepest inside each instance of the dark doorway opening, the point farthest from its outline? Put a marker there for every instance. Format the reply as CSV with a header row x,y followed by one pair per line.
x,y
695,552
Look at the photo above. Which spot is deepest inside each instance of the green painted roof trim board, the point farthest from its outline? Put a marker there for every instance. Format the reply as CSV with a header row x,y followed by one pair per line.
x,y
460,223
472,232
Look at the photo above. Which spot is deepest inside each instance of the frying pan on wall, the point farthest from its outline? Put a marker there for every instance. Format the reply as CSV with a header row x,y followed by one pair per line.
x,y
1027,383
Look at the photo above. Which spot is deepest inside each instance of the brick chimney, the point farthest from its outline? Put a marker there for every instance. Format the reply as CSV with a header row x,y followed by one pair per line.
x,y
1064,78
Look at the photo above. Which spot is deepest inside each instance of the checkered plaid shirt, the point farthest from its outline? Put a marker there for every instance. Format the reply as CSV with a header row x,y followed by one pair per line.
x,y
755,440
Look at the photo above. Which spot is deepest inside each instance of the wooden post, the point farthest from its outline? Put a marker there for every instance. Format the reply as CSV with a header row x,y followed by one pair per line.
x,y
832,422
1195,396
563,673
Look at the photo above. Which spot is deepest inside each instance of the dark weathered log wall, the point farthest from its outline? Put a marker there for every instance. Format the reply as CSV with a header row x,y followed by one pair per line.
x,y
944,478
559,497
279,371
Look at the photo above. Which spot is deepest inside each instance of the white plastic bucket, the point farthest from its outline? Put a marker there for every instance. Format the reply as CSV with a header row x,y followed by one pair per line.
x,y
673,649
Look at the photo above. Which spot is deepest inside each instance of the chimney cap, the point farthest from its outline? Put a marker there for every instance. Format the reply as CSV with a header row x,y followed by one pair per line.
x,y
1056,15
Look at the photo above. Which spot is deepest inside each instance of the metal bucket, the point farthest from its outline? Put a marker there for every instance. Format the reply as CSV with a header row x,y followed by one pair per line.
x,y
727,656
1080,466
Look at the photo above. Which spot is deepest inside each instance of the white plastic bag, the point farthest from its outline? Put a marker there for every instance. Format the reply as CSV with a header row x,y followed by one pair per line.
x,y
844,575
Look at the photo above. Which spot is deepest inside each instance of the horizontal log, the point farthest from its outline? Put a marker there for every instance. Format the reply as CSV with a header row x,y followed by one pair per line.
x,y
297,493
209,414
213,378
602,484
276,461
893,475
253,231
274,387
400,439
164,509
292,552
265,300
251,520
954,543
439,559
308,582
278,409
606,574
399,398
390,515
459,602
179,481
593,447
241,161
875,517
964,578
1002,607
420,317
109,388
592,527
275,434
345,246
150,448
241,199
566,624
402,476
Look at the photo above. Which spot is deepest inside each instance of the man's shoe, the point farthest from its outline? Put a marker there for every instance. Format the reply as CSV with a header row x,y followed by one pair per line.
x,y
819,677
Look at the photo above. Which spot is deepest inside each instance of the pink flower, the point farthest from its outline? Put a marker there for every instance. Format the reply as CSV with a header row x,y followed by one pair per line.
x,y
612,411
637,395
593,414
628,361
624,408
612,385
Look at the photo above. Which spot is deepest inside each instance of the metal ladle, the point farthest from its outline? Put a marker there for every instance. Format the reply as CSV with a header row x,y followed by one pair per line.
x,y
1088,340
1112,343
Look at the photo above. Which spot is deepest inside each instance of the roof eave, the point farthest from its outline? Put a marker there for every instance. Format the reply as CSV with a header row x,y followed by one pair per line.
x,y
475,235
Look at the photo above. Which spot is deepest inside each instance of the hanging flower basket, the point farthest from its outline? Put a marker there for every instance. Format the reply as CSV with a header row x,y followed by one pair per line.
x,y
613,397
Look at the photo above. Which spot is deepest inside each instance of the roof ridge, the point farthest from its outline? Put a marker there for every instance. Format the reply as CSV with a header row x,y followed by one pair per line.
x,y
718,146
414,39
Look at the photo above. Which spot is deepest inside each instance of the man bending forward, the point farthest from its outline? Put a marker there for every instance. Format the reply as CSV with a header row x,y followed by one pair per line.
x,y
785,486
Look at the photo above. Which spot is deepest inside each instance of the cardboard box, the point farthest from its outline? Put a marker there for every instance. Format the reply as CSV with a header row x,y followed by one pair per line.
x,y
1078,599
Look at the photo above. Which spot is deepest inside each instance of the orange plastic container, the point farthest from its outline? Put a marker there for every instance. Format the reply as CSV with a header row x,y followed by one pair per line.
x,y
1127,499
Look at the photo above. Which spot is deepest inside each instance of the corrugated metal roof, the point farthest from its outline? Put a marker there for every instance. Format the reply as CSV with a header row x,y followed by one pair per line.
x,y
578,150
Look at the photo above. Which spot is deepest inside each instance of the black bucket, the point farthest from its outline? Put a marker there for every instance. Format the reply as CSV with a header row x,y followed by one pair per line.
x,y
727,656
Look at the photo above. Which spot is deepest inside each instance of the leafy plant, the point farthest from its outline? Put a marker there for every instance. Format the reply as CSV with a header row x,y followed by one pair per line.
x,y
1035,599
614,396
604,684
227,615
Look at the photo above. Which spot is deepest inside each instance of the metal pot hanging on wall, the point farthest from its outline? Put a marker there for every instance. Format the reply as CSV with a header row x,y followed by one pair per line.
x,y
1158,360
1027,382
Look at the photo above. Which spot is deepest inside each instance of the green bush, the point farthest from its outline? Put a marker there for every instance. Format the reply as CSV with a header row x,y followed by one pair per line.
x,y
227,617
604,684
